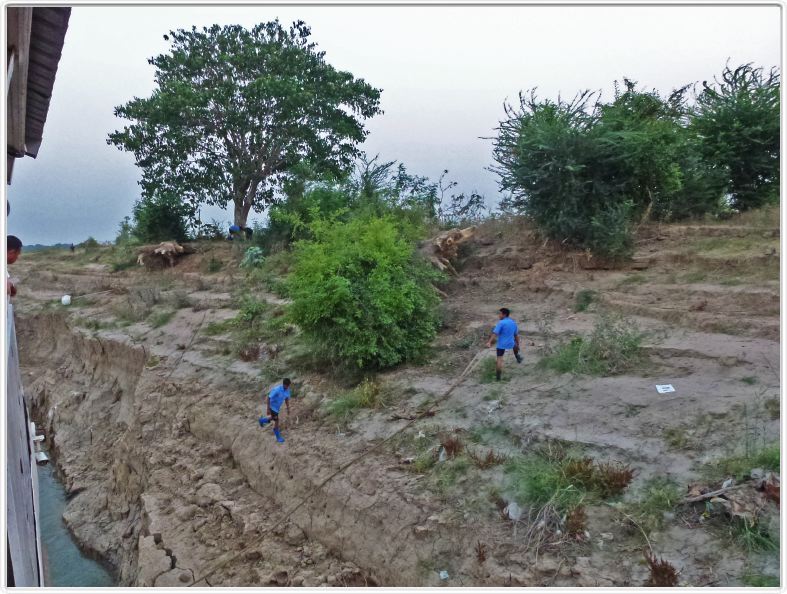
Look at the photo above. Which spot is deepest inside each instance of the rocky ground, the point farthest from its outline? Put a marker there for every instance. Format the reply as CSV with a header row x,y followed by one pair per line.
x,y
151,416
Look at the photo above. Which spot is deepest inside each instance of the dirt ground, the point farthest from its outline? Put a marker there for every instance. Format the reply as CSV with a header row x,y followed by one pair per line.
x,y
152,418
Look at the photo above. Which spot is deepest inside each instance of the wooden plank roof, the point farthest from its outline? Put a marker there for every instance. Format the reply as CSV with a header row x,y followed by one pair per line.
x,y
47,34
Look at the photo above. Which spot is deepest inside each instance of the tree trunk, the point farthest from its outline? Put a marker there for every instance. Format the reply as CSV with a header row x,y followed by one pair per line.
x,y
239,217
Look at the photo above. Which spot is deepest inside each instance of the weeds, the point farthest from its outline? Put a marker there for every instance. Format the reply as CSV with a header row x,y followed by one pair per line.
x,y
662,573
553,477
773,408
584,299
369,394
575,521
613,347
749,380
480,552
490,459
752,536
161,318
449,472
633,279
658,495
424,462
676,437
213,265
758,580
488,371
217,328
768,458
452,445
489,433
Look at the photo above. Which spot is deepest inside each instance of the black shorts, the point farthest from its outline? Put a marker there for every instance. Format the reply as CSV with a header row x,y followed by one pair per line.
x,y
274,416
501,352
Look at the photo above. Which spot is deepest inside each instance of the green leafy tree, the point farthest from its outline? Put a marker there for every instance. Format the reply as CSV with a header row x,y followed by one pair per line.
x,y
235,110
161,217
360,292
737,119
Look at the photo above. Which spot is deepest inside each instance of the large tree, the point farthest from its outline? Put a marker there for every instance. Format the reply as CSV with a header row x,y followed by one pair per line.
x,y
235,110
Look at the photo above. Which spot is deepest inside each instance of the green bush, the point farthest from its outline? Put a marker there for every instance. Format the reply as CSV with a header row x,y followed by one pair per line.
x,y
737,118
360,292
253,258
89,244
586,172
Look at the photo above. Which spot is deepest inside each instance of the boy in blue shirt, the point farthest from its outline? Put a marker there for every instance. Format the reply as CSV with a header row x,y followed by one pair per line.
x,y
277,396
507,334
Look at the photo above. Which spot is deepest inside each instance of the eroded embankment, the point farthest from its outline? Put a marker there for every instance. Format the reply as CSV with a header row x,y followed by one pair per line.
x,y
168,472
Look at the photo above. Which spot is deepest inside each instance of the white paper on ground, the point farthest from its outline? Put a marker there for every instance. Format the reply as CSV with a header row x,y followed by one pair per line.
x,y
665,388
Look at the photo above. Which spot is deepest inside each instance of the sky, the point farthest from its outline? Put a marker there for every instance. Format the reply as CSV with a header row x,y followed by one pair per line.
x,y
445,73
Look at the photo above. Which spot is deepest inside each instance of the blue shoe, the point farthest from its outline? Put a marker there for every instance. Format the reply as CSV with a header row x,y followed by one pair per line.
x,y
279,438
264,421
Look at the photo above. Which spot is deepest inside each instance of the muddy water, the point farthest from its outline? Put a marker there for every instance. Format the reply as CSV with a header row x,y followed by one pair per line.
x,y
65,565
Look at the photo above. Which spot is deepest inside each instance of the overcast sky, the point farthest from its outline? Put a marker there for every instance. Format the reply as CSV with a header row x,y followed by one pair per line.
x,y
445,73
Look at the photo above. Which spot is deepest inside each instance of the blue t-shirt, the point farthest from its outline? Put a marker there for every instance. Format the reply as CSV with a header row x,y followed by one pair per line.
x,y
277,396
506,329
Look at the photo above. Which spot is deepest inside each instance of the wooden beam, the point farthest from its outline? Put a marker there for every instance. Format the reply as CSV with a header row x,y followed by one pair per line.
x,y
18,23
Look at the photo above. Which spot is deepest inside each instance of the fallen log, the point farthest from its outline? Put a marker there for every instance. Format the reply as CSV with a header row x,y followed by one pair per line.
x,y
164,254
443,248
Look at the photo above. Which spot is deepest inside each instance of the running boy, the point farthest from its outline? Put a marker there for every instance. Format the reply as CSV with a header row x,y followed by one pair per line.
x,y
277,396
507,334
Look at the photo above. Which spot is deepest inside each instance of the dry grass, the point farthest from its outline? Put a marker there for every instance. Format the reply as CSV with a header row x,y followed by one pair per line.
x,y
488,460
662,573
452,445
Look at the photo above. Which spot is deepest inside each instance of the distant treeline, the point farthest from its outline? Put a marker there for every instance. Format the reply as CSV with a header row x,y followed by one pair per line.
x,y
37,247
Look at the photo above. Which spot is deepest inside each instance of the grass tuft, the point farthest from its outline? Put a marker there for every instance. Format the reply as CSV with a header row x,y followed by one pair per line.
x,y
584,299
614,346
740,467
368,394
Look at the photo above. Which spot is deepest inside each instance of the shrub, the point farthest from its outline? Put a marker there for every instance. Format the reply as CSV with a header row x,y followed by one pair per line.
x,y
585,171
737,118
161,217
89,244
253,258
360,293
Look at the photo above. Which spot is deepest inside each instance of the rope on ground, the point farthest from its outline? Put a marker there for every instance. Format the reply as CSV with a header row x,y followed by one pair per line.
x,y
234,555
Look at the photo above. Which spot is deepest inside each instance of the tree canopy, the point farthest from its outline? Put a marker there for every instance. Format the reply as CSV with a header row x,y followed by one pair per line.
x,y
235,110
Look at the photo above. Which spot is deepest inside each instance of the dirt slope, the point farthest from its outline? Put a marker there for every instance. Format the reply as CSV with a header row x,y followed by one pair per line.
x,y
152,419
